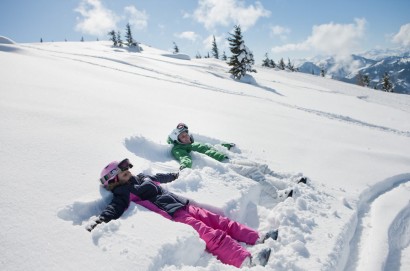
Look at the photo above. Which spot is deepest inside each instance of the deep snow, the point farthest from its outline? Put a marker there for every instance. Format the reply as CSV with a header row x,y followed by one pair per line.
x,y
67,109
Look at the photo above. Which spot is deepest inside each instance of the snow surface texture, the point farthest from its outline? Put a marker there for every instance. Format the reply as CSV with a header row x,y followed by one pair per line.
x,y
67,109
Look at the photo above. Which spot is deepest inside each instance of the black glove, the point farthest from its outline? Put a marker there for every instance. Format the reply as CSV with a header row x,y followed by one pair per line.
x,y
181,168
176,175
93,223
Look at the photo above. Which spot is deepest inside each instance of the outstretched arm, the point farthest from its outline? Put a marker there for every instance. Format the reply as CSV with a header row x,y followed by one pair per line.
x,y
114,210
208,150
166,177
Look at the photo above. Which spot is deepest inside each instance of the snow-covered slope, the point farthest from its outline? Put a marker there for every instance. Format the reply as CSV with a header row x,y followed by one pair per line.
x,y
67,109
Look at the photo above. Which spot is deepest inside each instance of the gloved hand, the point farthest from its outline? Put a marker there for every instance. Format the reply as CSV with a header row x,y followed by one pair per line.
x,y
228,145
94,221
176,175
181,168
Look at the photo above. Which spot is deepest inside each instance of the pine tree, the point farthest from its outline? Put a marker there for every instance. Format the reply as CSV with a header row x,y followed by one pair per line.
x,y
215,51
272,63
41,40
198,55
241,60
82,39
176,49
128,36
224,57
366,80
322,72
281,64
359,79
120,42
290,66
386,84
113,38
266,61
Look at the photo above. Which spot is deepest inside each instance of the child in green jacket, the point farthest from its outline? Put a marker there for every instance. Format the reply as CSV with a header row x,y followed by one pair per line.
x,y
183,144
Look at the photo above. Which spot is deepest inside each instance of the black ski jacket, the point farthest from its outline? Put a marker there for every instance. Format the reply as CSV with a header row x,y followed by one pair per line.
x,y
143,188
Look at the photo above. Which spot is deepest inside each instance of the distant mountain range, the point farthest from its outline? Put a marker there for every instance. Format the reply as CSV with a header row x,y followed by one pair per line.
x,y
373,63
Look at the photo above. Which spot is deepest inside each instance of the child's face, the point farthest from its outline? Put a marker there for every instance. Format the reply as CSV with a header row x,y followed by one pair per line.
x,y
124,176
184,138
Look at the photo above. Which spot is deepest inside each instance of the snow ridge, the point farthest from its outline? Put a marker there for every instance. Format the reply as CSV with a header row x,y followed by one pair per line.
x,y
396,226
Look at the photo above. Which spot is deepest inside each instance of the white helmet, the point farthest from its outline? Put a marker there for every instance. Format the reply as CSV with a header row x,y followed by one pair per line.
x,y
181,127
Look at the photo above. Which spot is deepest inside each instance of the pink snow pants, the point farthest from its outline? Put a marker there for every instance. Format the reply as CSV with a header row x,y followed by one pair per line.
x,y
220,234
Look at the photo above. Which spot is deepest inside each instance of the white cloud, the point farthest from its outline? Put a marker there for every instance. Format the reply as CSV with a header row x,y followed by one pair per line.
x,y
95,18
138,19
280,31
403,37
189,35
208,42
332,39
291,47
216,12
210,39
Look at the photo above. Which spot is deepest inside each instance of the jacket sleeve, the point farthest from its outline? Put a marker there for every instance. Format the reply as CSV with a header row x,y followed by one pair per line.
x,y
182,156
208,150
117,206
165,177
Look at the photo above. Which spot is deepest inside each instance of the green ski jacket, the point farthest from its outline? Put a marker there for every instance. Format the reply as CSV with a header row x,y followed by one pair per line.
x,y
182,152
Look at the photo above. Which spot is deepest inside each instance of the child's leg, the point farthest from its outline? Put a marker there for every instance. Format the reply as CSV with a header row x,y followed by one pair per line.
x,y
236,230
217,241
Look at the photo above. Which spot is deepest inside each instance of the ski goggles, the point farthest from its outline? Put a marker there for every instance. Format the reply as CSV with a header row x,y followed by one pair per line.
x,y
109,177
182,127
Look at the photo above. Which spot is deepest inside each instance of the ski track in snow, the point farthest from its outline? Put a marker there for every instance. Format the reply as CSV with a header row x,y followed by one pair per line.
x,y
177,79
364,233
399,238
350,120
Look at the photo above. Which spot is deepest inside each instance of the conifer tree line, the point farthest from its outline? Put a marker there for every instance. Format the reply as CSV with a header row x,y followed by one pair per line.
x,y
385,82
117,41
270,63
242,60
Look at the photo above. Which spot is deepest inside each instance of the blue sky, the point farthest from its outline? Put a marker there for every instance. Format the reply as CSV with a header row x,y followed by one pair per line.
x,y
281,28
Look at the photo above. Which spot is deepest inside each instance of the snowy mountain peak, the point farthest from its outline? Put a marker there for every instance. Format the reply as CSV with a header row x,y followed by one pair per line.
x,y
374,63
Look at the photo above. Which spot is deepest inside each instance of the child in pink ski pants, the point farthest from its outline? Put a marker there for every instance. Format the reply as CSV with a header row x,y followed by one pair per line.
x,y
220,234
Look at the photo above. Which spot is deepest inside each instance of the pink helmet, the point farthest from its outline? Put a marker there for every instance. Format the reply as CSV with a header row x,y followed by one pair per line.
x,y
111,171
